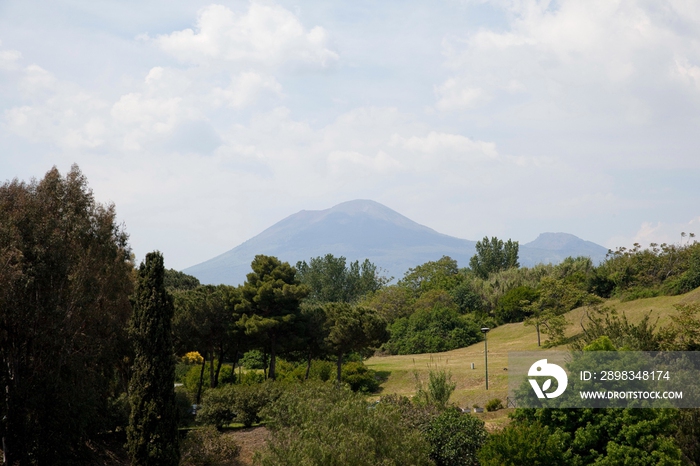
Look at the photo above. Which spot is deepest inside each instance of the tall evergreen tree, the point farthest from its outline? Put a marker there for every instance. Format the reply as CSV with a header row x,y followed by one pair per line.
x,y
270,300
152,432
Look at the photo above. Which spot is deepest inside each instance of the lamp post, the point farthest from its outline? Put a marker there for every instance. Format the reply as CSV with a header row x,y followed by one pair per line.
x,y
485,330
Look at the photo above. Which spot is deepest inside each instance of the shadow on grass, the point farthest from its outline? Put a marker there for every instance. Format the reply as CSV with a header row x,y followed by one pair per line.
x,y
381,377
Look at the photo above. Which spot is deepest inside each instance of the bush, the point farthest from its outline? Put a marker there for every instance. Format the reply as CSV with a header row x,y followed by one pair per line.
x,y
208,447
513,306
193,357
181,371
359,377
218,406
253,359
432,331
439,389
319,424
494,405
414,415
533,445
184,401
251,399
239,403
455,438
251,377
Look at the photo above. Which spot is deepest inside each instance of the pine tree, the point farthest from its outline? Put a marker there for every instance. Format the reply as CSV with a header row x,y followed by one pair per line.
x,y
152,433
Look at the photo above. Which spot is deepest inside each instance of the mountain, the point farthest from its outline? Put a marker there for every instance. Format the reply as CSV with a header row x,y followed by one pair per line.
x,y
366,229
555,247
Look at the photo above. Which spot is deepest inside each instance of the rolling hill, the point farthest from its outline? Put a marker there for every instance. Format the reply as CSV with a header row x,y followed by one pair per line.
x,y
362,229
398,371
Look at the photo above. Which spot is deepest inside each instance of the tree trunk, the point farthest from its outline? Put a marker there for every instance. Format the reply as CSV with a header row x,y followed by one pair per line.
x,y
218,367
340,365
537,326
201,378
212,383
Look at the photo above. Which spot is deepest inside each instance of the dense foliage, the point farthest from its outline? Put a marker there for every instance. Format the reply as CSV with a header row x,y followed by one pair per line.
x,y
330,280
494,256
209,447
319,424
152,432
432,331
455,438
65,281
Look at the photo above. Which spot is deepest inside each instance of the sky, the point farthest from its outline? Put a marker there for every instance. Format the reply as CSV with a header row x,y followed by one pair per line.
x,y
205,123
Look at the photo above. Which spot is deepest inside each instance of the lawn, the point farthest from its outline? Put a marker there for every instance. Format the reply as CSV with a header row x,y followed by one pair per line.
x,y
399,371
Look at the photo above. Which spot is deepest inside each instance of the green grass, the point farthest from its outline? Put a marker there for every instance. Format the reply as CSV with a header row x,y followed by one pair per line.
x,y
398,371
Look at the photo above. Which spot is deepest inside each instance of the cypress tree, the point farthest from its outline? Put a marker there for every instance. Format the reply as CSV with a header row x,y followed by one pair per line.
x,y
152,433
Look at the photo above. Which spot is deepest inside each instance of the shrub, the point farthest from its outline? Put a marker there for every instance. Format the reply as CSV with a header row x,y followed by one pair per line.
x,y
431,331
251,399
414,415
319,424
533,445
513,306
359,377
494,405
208,447
239,403
181,371
193,357
251,378
253,359
183,401
218,406
455,438
439,389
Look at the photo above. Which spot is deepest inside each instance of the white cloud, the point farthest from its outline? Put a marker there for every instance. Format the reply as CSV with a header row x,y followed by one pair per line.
x,y
436,143
576,63
265,34
245,88
345,161
454,95
9,59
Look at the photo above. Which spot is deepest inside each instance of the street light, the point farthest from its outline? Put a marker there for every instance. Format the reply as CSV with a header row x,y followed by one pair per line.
x,y
485,330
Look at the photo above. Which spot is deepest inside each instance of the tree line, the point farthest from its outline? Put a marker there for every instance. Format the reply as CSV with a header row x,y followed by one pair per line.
x,y
89,342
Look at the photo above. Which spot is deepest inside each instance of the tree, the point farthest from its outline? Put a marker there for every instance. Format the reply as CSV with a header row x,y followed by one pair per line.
x,y
353,329
65,281
514,305
442,274
270,300
432,330
455,438
554,299
152,432
392,302
205,320
493,256
175,280
330,280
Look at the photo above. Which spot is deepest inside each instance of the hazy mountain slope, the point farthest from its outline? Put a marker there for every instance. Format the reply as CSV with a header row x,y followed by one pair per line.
x,y
555,247
357,230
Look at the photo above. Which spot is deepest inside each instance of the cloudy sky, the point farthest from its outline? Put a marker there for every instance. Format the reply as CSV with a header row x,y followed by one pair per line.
x,y
206,123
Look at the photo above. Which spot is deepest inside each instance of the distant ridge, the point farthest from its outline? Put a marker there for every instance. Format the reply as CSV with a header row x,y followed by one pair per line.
x,y
362,229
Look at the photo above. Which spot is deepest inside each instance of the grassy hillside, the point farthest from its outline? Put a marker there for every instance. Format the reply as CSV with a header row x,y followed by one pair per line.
x,y
399,370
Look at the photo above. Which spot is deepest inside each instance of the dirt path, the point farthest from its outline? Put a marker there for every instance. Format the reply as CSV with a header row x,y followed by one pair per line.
x,y
250,440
